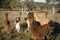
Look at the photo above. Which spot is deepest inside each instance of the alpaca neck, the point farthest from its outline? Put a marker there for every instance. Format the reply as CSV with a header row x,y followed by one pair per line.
x,y
6,17
32,27
31,22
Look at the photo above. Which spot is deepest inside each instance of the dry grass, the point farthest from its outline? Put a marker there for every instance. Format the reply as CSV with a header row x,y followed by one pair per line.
x,y
22,35
18,36
15,36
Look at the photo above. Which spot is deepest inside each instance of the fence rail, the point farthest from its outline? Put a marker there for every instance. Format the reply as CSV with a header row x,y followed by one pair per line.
x,y
13,14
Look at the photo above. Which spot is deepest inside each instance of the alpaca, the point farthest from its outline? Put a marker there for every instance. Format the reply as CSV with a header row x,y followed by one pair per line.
x,y
17,24
44,20
6,24
38,31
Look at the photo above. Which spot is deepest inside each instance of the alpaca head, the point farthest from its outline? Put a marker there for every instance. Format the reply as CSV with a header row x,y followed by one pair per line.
x,y
17,19
30,16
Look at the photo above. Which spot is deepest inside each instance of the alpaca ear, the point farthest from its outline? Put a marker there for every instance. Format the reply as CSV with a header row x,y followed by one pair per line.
x,y
31,13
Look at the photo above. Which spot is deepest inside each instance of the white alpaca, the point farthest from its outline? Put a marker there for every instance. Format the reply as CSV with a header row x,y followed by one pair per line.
x,y
18,26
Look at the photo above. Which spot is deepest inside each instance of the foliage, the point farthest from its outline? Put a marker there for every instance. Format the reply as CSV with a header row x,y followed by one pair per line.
x,y
16,36
10,4
5,3
53,1
29,4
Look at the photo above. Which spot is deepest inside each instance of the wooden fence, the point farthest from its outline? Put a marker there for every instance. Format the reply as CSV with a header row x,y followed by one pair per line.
x,y
13,14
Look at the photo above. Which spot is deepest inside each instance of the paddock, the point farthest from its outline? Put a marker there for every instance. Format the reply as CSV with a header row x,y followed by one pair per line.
x,y
13,14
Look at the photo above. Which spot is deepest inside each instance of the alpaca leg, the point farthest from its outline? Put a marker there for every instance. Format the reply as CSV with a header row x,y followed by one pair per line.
x,y
48,37
18,30
6,29
38,39
35,39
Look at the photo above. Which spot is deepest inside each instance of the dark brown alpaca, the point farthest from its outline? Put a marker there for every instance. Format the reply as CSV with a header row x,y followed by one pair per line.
x,y
38,31
6,24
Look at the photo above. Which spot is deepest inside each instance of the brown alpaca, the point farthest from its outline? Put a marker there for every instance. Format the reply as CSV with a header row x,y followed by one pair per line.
x,y
38,31
43,20
6,24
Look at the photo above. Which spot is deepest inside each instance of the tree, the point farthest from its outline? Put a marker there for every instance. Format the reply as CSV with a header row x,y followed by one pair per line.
x,y
5,3
1,3
29,4
15,4
9,4
53,1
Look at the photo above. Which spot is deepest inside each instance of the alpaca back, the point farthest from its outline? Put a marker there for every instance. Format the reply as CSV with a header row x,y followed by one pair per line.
x,y
44,29
43,20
